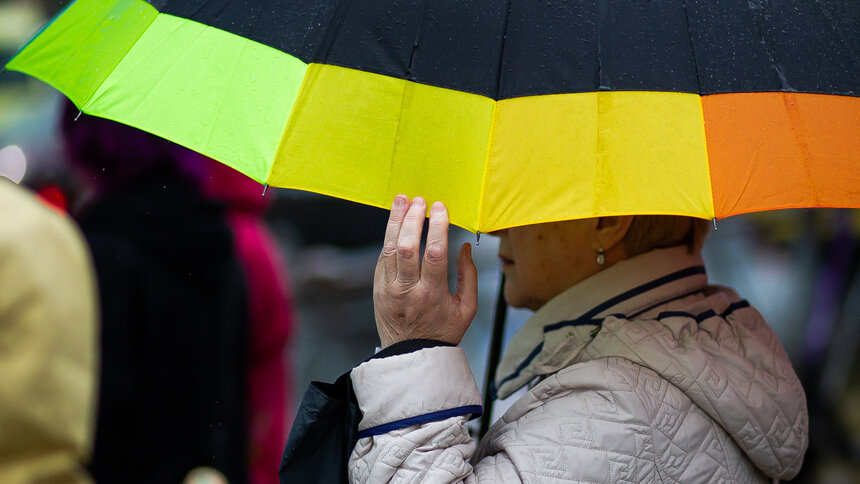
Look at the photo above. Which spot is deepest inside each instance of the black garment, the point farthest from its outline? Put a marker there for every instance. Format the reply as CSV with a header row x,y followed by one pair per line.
x,y
325,429
323,435
173,340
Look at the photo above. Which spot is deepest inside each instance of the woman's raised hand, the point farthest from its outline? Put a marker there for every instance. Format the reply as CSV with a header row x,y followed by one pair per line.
x,y
410,294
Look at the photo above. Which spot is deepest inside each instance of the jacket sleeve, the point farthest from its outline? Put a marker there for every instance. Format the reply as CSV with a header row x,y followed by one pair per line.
x,y
415,409
588,423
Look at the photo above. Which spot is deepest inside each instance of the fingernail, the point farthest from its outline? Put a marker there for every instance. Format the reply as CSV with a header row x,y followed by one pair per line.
x,y
399,202
437,206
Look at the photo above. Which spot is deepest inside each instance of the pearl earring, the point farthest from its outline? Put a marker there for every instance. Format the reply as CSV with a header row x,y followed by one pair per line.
x,y
601,256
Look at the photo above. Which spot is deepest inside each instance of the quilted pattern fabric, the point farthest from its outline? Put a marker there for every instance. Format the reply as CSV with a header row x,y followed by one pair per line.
x,y
610,420
642,373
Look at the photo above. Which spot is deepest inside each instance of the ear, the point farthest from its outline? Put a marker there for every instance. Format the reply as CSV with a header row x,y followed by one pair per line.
x,y
609,232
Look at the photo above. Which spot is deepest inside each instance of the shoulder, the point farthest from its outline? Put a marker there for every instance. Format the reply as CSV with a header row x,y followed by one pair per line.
x,y
582,421
37,243
601,386
611,413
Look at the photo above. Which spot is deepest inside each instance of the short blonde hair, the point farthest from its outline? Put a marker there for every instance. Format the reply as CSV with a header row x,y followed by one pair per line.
x,y
649,232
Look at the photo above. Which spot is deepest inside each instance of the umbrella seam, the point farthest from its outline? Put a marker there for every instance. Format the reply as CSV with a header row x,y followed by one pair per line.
x,y
600,14
175,61
223,100
692,47
288,126
748,177
793,121
597,146
710,198
777,70
337,18
508,8
481,189
98,88
418,32
394,143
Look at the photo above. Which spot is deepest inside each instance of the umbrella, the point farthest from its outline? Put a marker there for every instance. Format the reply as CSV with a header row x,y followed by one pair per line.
x,y
510,112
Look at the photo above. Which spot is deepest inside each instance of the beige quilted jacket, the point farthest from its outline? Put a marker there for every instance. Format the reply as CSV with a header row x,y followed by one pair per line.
x,y
642,373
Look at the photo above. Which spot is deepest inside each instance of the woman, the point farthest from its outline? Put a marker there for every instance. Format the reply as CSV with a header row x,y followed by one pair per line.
x,y
269,316
173,309
638,370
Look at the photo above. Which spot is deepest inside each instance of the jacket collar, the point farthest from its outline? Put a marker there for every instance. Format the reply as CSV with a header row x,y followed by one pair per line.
x,y
569,321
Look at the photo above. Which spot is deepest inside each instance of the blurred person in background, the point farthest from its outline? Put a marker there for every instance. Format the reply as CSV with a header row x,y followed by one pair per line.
x,y
270,312
48,326
173,340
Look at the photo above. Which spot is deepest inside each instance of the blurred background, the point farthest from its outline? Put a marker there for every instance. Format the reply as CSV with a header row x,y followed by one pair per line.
x,y
798,267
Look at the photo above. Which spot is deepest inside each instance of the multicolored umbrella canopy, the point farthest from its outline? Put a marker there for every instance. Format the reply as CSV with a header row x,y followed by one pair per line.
x,y
511,112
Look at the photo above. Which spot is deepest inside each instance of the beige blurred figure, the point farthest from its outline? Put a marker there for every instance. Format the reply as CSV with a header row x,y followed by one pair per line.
x,y
205,475
48,326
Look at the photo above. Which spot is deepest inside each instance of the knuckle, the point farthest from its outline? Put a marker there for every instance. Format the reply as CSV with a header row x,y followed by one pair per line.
x,y
435,253
427,297
389,248
405,251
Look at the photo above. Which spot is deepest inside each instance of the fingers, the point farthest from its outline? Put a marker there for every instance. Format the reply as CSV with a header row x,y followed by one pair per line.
x,y
388,257
410,292
409,242
467,282
435,266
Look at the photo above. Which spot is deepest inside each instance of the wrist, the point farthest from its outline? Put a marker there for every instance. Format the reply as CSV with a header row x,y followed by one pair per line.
x,y
408,346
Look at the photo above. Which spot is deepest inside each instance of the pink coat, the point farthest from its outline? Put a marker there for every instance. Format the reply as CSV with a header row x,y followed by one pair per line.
x,y
271,314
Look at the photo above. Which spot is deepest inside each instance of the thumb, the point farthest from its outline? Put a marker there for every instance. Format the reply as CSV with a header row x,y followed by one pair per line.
x,y
467,281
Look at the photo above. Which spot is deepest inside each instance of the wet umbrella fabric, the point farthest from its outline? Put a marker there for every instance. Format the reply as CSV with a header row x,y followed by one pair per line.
x,y
510,112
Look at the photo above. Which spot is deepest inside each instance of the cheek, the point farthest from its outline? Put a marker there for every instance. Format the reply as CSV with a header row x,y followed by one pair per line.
x,y
532,278
547,276
519,294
